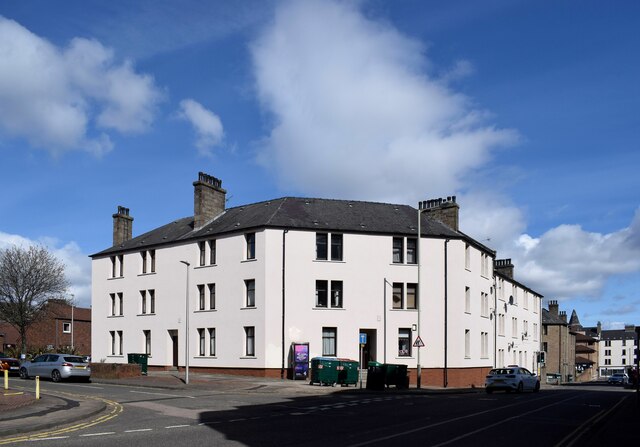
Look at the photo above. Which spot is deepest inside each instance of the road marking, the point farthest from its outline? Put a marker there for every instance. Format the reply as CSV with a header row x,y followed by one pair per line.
x,y
161,394
93,387
99,434
486,427
426,427
114,410
178,426
51,438
575,435
138,430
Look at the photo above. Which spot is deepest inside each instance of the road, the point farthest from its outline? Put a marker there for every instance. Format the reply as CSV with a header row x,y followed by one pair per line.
x,y
161,418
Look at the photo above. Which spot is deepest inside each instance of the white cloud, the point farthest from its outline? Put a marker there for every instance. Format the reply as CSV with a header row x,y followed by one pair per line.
x,y
206,124
356,113
564,262
64,99
569,261
77,264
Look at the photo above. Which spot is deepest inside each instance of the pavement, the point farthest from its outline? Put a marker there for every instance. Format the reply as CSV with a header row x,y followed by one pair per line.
x,y
21,413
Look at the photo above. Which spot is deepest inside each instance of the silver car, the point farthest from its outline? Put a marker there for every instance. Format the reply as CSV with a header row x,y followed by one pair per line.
x,y
56,367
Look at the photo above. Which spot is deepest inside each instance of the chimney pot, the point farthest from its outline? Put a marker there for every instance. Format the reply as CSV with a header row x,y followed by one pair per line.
x,y
209,199
443,210
122,226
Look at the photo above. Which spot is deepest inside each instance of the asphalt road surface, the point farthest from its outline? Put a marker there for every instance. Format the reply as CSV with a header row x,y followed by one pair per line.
x,y
161,418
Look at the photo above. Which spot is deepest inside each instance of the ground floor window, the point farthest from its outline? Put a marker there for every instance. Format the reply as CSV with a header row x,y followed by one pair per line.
x,y
147,342
250,340
212,341
120,343
404,342
201,344
329,340
112,334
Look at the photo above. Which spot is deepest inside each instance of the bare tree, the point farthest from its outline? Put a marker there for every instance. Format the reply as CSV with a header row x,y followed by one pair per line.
x,y
29,278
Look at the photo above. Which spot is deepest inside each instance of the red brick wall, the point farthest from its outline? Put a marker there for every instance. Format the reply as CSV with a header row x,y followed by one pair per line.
x,y
49,330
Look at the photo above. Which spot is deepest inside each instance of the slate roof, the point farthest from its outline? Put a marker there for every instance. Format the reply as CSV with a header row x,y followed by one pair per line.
x,y
574,320
582,349
580,337
349,216
617,334
583,361
547,318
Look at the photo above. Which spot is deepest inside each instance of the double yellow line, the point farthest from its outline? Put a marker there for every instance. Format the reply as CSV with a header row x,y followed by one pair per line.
x,y
113,410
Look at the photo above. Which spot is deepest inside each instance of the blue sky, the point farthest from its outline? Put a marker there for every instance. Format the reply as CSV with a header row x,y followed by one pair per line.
x,y
526,110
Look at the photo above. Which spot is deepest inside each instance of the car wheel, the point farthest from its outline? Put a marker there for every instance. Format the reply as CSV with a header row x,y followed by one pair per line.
x,y
55,375
537,387
23,373
520,387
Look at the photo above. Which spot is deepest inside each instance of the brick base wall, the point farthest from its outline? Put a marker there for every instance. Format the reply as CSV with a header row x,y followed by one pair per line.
x,y
431,377
455,377
249,372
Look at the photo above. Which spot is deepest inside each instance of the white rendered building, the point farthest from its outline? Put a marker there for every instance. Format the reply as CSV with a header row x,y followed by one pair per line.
x,y
617,350
262,276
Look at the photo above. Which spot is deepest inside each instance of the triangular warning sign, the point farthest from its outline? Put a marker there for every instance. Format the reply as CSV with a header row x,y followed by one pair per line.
x,y
418,343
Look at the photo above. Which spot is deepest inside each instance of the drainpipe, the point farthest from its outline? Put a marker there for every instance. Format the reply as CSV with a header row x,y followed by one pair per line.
x,y
495,322
446,291
284,245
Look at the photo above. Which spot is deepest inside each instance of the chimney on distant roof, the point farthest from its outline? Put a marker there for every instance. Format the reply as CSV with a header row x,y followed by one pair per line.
x,y
208,200
443,210
629,328
553,308
122,226
563,315
599,328
504,266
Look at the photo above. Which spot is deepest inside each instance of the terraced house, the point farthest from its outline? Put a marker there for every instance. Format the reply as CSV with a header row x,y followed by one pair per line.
x,y
253,279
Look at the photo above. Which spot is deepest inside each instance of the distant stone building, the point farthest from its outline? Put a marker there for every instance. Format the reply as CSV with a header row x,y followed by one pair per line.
x,y
586,351
559,344
60,328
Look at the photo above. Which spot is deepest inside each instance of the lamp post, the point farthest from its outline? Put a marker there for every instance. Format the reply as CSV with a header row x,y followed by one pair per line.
x,y
421,209
186,328
72,304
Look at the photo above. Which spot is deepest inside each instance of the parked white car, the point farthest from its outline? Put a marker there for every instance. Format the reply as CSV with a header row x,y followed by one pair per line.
x,y
56,367
512,378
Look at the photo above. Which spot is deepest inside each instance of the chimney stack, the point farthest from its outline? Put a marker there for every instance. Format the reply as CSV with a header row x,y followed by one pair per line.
x,y
209,199
553,308
122,226
563,315
443,210
504,266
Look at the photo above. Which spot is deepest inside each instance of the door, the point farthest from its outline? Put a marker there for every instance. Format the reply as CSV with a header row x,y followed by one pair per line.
x,y
369,349
36,365
174,346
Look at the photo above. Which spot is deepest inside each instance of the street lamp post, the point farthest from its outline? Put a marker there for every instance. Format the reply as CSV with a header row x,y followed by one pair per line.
x,y
419,249
72,304
186,328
